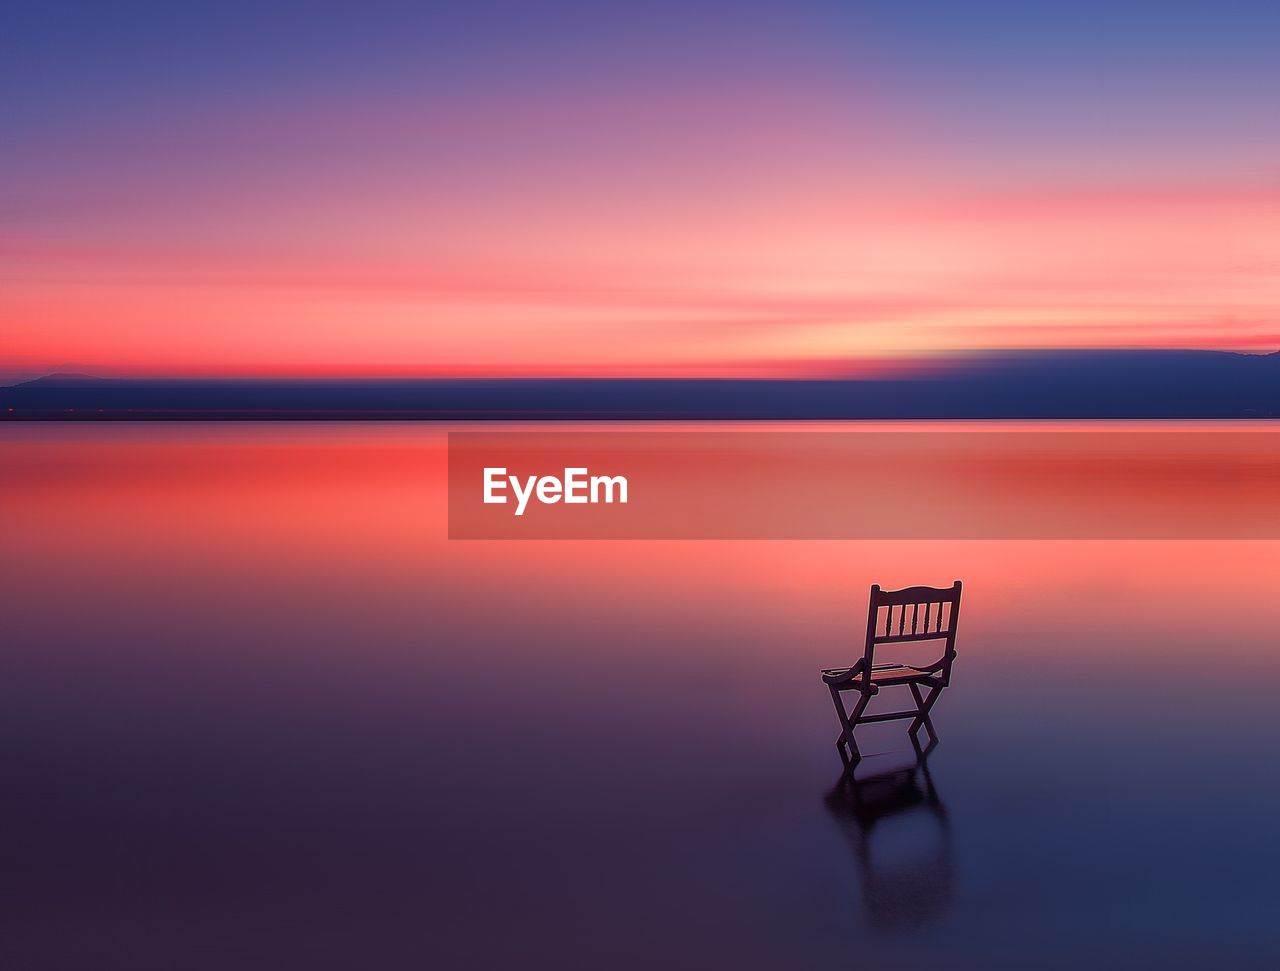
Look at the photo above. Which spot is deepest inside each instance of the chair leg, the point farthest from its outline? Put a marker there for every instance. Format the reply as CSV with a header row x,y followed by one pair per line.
x,y
922,752
924,703
848,720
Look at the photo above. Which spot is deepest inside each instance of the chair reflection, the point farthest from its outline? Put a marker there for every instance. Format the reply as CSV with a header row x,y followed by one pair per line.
x,y
901,837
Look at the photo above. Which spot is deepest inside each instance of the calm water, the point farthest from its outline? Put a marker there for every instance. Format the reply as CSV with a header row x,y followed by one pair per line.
x,y
257,712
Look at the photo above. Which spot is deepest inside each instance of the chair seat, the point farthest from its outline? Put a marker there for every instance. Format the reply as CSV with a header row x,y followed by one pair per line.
x,y
881,674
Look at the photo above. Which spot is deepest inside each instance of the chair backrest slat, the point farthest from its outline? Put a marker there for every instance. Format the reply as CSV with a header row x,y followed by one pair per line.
x,y
941,615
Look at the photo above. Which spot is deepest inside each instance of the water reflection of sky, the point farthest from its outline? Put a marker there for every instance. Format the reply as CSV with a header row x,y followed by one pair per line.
x,y
257,711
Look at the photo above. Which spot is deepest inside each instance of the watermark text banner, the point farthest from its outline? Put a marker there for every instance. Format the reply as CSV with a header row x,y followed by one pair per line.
x,y
888,483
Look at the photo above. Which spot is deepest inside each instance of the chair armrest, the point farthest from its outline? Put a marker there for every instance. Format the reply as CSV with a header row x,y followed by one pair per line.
x,y
846,676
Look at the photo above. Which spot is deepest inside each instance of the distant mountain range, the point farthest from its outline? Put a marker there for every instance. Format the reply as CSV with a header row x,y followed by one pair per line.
x,y
1058,384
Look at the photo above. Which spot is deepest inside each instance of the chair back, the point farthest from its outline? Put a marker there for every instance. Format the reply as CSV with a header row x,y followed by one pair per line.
x,y
915,614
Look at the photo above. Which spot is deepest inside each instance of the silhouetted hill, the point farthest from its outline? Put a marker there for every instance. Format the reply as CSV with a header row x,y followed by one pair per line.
x,y
1062,384
60,379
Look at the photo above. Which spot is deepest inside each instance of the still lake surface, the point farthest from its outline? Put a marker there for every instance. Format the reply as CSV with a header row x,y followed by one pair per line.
x,y
257,711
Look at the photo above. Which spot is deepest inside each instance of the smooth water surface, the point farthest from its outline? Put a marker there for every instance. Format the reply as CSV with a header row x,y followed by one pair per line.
x,y
256,711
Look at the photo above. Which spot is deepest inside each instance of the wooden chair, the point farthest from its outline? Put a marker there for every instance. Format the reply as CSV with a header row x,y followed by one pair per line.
x,y
896,617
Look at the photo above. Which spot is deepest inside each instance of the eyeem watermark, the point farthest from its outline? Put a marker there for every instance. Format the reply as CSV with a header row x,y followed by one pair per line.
x,y
578,487
891,481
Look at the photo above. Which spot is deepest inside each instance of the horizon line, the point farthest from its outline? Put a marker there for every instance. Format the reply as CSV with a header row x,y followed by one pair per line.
x,y
843,369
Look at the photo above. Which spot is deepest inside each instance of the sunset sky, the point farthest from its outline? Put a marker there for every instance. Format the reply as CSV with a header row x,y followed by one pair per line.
x,y
657,188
